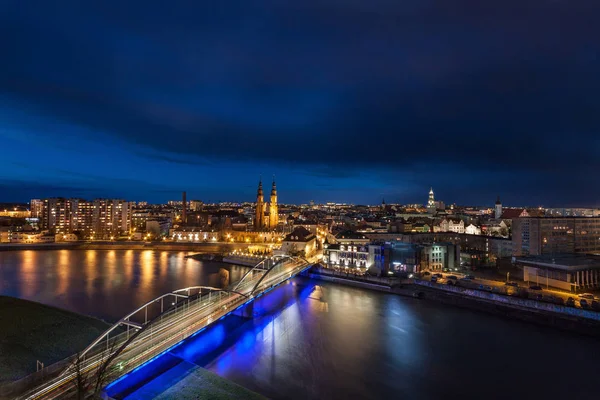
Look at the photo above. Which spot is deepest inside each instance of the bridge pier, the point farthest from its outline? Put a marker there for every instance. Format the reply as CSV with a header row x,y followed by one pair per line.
x,y
246,311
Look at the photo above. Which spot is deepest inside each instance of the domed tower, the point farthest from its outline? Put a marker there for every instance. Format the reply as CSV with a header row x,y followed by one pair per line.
x,y
273,208
498,213
259,219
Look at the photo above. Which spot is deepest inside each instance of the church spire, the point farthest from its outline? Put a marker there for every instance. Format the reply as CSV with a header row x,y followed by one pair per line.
x,y
259,219
259,192
273,207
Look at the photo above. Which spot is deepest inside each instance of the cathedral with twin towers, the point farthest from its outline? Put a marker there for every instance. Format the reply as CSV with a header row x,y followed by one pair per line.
x,y
266,215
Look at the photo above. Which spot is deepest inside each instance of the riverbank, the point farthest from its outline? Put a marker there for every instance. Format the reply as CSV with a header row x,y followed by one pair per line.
x,y
190,382
568,319
32,331
213,248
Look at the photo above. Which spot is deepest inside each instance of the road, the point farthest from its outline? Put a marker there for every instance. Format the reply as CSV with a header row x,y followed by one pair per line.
x,y
501,288
188,317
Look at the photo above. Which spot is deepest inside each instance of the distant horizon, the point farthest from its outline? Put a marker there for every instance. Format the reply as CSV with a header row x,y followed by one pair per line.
x,y
296,204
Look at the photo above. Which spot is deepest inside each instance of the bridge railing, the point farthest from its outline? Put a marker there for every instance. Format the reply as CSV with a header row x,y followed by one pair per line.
x,y
137,343
151,338
278,272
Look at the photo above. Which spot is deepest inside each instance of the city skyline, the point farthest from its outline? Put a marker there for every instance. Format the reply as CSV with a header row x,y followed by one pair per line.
x,y
94,103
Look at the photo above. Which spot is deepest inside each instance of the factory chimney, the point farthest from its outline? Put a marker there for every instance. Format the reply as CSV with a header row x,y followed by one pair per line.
x,y
184,210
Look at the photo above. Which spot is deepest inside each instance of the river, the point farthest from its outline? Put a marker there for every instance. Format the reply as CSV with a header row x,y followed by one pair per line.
x,y
105,283
316,340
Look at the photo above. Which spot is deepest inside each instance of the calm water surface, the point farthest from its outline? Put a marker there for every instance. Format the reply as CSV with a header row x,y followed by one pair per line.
x,y
314,340
105,283
338,342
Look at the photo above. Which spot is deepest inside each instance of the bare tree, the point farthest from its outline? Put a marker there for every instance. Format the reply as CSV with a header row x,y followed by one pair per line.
x,y
102,373
81,381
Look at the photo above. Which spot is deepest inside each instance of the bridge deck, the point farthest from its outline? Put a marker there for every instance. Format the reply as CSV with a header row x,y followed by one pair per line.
x,y
125,352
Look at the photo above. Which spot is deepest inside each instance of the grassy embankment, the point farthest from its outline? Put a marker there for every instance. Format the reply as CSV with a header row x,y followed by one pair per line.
x,y
201,384
31,331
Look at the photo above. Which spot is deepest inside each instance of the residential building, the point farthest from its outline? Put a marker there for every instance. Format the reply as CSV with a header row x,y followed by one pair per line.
x,y
59,214
112,218
36,207
84,220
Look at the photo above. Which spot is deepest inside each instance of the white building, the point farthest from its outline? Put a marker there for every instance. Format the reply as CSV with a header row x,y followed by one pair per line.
x,y
300,242
450,225
473,230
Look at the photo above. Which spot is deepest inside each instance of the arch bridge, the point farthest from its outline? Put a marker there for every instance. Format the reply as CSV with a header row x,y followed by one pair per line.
x,y
162,323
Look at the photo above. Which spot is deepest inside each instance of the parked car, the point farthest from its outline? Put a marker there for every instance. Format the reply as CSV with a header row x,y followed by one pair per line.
x,y
584,304
570,302
535,287
587,296
452,280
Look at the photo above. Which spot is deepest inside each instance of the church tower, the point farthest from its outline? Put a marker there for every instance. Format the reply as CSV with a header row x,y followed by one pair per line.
x,y
273,208
259,219
431,202
498,213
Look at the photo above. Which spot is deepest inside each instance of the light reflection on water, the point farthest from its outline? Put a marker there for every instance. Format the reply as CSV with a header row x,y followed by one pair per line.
x,y
104,283
315,340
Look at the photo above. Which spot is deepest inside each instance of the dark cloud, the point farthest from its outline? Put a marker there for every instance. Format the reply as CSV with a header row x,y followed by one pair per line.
x,y
493,94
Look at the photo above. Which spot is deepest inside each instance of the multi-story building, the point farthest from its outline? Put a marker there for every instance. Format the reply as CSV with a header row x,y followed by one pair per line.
x,y
36,207
396,257
112,218
349,255
100,219
59,214
85,219
546,235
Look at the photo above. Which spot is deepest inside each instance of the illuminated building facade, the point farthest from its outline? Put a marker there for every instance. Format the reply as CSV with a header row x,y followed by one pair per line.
x,y
264,220
546,235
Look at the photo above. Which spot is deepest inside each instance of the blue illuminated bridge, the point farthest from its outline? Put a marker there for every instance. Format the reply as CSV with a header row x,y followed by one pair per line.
x,y
159,325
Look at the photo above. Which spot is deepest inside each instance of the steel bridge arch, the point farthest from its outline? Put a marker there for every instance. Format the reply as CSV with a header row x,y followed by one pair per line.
x,y
273,266
256,267
142,327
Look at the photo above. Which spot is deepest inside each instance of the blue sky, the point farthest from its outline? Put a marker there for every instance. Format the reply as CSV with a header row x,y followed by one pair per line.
x,y
342,100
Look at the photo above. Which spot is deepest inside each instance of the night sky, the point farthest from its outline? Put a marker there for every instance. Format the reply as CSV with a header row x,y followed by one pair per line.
x,y
343,100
